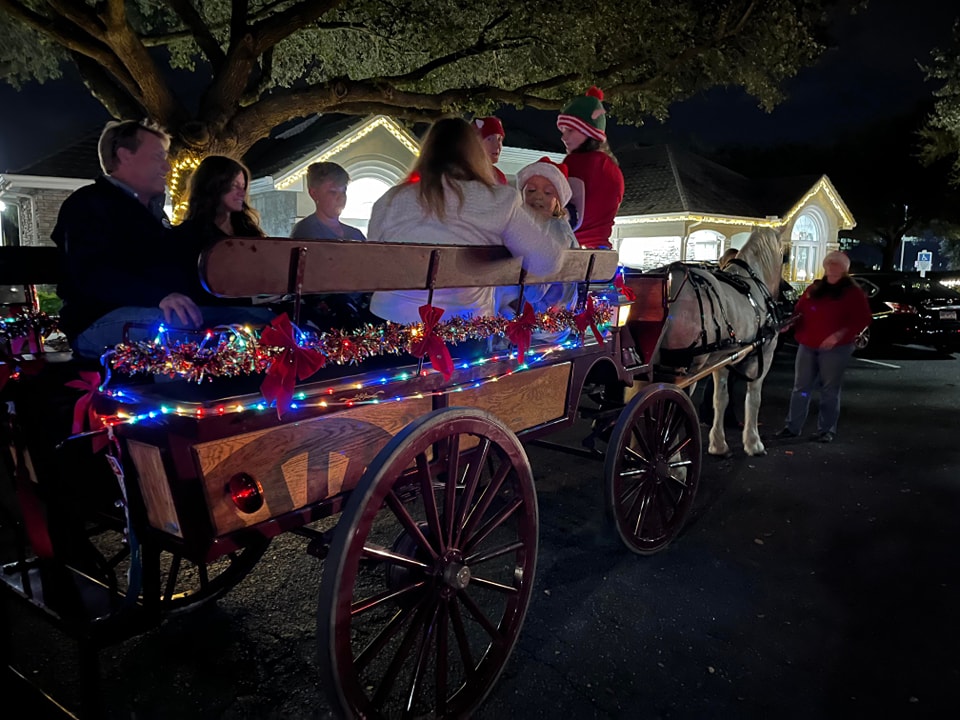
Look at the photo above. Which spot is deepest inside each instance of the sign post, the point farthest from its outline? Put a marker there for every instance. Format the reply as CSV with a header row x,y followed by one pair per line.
x,y
924,262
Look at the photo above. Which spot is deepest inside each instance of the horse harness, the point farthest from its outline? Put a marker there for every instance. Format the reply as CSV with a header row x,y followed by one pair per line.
x,y
768,318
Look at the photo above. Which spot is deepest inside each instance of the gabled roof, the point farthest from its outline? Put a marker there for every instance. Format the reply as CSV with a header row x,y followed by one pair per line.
x,y
664,179
77,160
292,142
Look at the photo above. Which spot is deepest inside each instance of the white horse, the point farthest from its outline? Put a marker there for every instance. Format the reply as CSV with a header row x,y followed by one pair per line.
x,y
710,318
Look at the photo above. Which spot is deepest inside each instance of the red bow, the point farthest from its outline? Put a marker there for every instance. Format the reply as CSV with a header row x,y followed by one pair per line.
x,y
85,417
588,318
628,293
521,328
430,344
294,363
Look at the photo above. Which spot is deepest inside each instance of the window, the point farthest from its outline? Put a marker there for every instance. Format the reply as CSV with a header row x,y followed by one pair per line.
x,y
807,237
704,246
361,195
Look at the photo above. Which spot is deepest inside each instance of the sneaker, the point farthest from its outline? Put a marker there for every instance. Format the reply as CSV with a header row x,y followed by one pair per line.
x,y
826,437
785,433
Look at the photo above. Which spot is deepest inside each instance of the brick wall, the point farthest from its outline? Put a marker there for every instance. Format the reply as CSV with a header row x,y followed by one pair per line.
x,y
47,206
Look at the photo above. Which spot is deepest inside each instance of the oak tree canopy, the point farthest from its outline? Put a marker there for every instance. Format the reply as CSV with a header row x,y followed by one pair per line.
x,y
264,62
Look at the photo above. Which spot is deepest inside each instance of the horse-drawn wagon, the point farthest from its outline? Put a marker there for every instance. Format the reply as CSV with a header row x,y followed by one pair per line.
x,y
411,480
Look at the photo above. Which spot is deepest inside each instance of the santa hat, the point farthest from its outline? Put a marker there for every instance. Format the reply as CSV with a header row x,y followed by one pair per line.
x,y
586,114
556,173
487,126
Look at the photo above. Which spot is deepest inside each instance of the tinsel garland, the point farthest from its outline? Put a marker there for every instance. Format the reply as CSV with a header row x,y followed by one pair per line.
x,y
25,324
233,351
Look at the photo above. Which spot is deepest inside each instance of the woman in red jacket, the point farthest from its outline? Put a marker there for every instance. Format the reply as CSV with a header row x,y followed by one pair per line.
x,y
583,126
832,311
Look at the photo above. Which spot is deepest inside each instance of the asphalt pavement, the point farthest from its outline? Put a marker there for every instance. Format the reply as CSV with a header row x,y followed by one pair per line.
x,y
818,581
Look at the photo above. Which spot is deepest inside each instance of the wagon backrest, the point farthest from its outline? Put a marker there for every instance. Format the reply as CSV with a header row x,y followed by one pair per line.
x,y
246,267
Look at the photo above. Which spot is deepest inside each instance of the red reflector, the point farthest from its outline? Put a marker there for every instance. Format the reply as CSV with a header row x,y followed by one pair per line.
x,y
246,493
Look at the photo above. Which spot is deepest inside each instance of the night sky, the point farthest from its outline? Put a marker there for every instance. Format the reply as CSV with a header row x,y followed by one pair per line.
x,y
871,73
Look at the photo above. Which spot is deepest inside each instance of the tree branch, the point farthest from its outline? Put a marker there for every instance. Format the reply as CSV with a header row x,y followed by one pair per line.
x,y
67,35
254,93
200,32
105,88
271,30
80,15
479,47
257,120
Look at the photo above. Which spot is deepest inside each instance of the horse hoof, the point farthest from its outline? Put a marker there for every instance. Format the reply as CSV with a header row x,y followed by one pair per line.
x,y
725,453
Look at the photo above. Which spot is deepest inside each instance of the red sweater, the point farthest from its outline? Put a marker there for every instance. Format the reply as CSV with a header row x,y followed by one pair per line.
x,y
603,187
823,316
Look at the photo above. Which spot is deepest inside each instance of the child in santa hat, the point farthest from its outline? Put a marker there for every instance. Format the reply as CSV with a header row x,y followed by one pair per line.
x,y
582,124
546,194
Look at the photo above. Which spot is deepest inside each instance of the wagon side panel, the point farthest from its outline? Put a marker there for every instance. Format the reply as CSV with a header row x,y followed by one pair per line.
x,y
299,463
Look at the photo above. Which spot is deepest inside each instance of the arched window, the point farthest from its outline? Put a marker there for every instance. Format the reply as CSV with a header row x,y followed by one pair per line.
x,y
806,239
361,195
704,246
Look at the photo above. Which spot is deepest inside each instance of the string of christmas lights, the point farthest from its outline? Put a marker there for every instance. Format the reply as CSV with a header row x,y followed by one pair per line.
x,y
235,351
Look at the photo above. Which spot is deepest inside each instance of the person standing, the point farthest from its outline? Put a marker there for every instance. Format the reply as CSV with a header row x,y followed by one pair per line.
x,y
582,124
492,135
832,312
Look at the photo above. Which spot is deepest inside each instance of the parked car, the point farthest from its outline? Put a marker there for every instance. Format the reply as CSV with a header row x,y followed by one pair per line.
x,y
910,310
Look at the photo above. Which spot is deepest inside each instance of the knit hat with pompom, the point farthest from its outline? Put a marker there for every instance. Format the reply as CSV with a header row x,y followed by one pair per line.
x,y
586,114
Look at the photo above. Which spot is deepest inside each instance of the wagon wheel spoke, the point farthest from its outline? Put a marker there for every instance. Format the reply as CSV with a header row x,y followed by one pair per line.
x,y
441,666
450,491
386,634
488,495
493,585
482,557
481,617
423,655
374,601
460,632
492,524
409,524
430,500
399,658
377,552
477,462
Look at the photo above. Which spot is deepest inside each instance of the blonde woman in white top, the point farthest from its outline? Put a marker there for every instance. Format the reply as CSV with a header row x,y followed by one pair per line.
x,y
452,198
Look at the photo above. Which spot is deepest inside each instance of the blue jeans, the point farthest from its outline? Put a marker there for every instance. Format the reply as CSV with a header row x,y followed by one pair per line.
x,y
108,330
822,370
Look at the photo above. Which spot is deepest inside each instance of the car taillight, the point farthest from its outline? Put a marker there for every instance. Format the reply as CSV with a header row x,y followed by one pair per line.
x,y
901,308
246,493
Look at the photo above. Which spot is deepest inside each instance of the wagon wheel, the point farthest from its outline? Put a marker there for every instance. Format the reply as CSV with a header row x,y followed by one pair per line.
x,y
186,585
652,468
430,571
166,579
